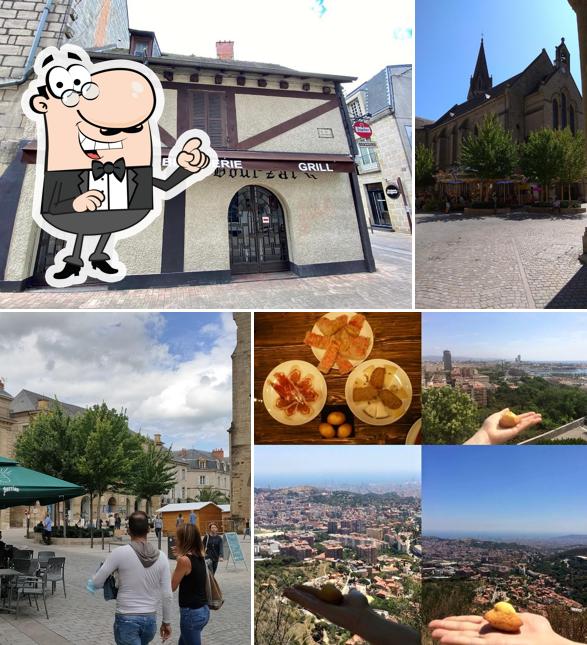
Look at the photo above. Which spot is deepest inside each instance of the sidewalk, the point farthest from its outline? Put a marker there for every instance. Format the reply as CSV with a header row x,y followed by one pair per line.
x,y
390,287
84,618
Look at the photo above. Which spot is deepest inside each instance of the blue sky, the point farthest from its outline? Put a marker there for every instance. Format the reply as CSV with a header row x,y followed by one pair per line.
x,y
526,490
448,34
544,336
170,371
313,464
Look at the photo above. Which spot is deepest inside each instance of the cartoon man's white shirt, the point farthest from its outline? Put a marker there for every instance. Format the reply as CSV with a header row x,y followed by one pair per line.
x,y
115,191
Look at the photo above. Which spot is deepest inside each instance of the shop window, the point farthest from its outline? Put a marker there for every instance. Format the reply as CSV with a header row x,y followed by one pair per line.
x,y
208,113
368,158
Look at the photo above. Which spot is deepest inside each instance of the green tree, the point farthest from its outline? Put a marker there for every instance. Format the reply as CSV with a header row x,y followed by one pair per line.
x,y
153,473
542,158
47,445
448,416
492,154
209,494
107,450
572,167
425,166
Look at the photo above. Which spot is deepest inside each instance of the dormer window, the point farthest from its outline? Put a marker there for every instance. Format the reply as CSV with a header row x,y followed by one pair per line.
x,y
140,48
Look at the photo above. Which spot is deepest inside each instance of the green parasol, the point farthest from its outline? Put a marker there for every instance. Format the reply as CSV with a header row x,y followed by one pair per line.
x,y
24,487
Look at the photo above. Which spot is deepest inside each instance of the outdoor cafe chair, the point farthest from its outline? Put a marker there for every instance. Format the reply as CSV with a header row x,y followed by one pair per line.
x,y
44,557
22,553
25,566
54,572
31,587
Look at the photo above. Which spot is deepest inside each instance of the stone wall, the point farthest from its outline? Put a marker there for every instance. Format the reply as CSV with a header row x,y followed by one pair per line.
x,y
240,434
88,23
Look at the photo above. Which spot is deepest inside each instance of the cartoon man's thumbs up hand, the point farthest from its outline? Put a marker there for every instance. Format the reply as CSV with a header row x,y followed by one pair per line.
x,y
191,158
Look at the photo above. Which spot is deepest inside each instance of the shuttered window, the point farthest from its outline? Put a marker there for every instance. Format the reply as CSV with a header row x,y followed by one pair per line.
x,y
209,114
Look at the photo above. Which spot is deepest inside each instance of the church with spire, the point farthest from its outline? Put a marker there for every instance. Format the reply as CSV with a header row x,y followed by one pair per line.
x,y
542,95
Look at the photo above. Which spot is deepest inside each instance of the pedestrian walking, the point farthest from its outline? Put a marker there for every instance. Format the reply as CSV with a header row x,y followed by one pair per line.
x,y
144,586
158,524
214,547
192,517
190,576
179,520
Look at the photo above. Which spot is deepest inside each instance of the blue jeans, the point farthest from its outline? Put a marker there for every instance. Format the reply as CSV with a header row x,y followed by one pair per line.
x,y
191,624
134,629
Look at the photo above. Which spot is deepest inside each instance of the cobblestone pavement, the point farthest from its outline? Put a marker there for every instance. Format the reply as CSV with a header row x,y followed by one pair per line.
x,y
83,618
390,287
503,262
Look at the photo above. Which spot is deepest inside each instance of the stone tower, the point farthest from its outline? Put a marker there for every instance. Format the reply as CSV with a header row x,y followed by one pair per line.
x,y
88,23
481,82
240,430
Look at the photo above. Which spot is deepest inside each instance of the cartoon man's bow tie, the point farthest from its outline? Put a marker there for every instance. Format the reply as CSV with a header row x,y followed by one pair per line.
x,y
118,168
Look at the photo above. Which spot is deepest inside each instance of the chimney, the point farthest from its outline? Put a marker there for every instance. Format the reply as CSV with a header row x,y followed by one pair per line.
x,y
157,439
42,404
218,453
225,49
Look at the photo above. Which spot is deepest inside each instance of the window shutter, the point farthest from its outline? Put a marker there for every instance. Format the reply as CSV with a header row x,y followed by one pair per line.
x,y
209,114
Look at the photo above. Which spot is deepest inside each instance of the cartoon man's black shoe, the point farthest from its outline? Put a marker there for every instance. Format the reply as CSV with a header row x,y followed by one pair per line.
x,y
67,271
102,265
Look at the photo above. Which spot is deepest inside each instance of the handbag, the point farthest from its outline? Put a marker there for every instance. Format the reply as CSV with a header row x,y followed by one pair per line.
x,y
110,588
213,593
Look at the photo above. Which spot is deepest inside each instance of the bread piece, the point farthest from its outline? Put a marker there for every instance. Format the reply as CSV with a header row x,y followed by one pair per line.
x,y
357,348
329,357
344,366
377,377
366,393
355,324
330,326
316,340
504,621
390,400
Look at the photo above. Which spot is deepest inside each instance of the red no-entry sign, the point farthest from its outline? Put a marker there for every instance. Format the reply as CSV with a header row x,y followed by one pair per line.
x,y
362,129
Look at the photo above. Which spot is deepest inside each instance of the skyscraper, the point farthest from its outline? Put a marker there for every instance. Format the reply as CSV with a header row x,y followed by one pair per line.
x,y
447,360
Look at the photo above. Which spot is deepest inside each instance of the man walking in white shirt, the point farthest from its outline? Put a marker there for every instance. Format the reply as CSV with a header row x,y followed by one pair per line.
x,y
144,583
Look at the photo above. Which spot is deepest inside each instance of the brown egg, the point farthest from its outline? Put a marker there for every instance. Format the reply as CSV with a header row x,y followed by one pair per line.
x,y
327,431
336,418
344,431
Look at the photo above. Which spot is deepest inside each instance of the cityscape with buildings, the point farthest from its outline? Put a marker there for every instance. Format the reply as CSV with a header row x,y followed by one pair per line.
x,y
532,577
369,542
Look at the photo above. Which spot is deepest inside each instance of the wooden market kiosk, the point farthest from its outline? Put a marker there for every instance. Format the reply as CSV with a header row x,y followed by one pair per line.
x,y
206,513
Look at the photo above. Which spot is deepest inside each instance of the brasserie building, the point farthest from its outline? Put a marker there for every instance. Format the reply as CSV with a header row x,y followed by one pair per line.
x,y
285,197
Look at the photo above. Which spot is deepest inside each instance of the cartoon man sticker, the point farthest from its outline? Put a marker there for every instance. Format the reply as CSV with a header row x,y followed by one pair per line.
x,y
99,158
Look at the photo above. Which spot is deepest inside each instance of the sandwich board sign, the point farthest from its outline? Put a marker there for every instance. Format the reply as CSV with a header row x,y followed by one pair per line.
x,y
234,549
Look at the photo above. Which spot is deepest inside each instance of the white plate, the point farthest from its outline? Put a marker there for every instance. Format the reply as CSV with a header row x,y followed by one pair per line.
x,y
413,434
270,396
365,331
395,375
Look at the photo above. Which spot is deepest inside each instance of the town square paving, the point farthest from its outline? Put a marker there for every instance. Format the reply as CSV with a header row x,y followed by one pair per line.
x,y
390,287
515,261
85,618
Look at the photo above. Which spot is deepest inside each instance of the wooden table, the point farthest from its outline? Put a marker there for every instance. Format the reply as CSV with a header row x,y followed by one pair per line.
x,y
279,337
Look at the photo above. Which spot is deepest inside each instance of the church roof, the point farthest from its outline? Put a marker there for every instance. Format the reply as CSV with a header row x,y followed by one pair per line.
x,y
27,401
498,90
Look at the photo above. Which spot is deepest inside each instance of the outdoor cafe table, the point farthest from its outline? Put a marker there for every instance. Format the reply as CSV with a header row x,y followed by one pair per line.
x,y
6,573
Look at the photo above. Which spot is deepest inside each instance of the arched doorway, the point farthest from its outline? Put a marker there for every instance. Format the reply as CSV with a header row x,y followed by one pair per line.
x,y
256,230
111,505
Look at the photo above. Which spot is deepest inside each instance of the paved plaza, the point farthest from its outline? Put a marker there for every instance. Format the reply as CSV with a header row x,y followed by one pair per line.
x,y
85,618
521,260
390,287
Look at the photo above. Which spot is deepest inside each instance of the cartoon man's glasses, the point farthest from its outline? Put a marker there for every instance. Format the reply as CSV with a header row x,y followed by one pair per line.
x,y
71,84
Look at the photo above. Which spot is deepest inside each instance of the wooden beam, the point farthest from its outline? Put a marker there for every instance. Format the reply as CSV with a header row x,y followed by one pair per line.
x,y
285,126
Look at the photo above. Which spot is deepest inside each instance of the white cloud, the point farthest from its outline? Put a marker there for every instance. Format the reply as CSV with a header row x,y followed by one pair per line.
x,y
120,358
